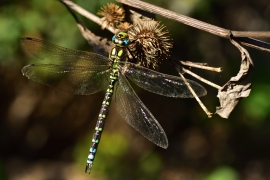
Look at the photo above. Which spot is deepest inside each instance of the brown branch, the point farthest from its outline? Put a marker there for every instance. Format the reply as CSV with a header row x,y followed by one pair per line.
x,y
225,33
101,45
201,79
254,43
209,114
86,14
199,66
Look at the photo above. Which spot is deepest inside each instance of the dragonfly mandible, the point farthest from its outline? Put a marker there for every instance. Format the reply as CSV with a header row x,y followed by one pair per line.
x,y
85,73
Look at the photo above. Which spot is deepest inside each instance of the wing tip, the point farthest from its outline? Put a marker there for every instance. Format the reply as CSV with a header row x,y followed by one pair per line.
x,y
164,141
26,68
204,91
28,43
200,91
164,146
24,39
27,38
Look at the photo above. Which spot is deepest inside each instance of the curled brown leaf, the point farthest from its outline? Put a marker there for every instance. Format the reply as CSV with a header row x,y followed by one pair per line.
x,y
237,87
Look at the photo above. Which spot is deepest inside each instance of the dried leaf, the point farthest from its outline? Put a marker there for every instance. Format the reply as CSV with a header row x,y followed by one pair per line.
x,y
237,87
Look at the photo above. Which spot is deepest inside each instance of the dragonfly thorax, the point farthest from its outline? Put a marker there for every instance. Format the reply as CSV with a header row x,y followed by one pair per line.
x,y
118,54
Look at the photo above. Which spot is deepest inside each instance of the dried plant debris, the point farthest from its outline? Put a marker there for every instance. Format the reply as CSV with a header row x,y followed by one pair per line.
x,y
124,26
238,87
101,45
150,43
112,15
137,17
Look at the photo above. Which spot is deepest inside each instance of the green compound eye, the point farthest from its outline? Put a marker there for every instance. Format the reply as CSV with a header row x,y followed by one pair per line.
x,y
122,35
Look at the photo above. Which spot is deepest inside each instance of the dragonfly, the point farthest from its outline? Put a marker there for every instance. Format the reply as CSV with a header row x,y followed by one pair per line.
x,y
85,73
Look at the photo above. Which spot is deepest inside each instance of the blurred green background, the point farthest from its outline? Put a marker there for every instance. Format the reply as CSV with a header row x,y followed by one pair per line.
x,y
46,133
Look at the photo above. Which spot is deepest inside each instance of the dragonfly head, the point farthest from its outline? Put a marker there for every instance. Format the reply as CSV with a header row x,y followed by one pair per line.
x,y
121,39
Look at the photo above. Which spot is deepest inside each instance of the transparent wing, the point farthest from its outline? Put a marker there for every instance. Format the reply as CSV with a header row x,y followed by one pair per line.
x,y
62,56
137,115
77,80
162,84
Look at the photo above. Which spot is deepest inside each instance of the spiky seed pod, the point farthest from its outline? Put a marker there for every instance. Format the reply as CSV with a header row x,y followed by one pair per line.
x,y
124,26
150,43
112,14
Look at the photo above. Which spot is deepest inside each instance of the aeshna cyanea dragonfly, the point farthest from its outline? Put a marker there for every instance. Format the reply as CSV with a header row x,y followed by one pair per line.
x,y
85,73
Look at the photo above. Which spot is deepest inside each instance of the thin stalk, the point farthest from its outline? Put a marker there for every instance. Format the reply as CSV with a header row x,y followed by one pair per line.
x,y
201,79
209,114
199,66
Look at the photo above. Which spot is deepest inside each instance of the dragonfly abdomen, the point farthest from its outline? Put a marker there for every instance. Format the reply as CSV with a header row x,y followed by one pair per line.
x,y
116,55
100,124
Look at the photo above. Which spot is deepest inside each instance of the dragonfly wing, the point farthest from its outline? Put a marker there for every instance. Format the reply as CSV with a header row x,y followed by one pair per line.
x,y
137,115
162,84
62,56
77,80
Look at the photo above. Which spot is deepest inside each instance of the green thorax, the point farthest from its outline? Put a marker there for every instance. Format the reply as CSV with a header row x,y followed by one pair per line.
x,y
117,54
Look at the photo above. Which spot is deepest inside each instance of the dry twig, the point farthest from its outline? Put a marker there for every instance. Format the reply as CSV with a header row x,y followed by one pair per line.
x,y
201,66
209,114
86,14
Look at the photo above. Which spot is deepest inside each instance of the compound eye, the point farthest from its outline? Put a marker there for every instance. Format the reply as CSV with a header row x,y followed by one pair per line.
x,y
113,38
118,36
126,42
